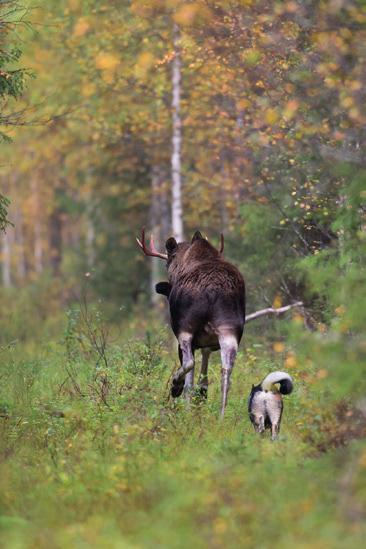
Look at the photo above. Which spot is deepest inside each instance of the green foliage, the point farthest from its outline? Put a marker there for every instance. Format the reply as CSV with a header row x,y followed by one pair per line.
x,y
12,78
93,452
135,469
4,204
31,313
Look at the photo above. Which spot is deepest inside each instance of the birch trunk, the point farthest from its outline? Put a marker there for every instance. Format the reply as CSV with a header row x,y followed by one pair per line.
x,y
155,229
177,209
223,192
90,239
159,223
6,260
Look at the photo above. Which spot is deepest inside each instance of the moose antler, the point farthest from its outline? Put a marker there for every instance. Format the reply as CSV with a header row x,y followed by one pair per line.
x,y
152,251
222,243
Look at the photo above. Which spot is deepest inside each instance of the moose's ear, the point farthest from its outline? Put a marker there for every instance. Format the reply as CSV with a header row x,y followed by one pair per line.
x,y
197,236
163,288
171,245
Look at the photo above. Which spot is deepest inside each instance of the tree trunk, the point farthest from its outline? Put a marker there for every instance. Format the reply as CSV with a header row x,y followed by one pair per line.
x,y
19,239
38,248
90,239
159,224
223,192
6,259
38,244
55,240
177,209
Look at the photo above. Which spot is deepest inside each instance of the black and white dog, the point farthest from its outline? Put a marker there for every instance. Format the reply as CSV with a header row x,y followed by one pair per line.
x,y
265,402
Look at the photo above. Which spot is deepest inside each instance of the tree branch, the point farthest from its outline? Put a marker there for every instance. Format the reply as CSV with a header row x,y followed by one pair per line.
x,y
272,311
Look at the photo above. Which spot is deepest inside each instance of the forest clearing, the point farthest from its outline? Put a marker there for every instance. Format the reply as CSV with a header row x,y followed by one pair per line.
x,y
192,119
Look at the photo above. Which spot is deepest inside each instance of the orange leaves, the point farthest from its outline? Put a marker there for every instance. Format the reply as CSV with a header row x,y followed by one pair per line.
x,y
340,310
88,89
107,63
243,104
145,62
147,9
278,347
81,27
193,12
74,5
290,361
290,109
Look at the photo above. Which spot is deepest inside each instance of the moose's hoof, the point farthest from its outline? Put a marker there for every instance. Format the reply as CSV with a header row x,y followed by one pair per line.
x,y
177,387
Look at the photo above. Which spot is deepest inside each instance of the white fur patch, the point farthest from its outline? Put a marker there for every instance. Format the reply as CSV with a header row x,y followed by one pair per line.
x,y
228,342
274,377
185,336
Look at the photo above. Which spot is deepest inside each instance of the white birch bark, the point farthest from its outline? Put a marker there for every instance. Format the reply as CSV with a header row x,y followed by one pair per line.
x,y
90,240
159,213
177,209
6,260
154,223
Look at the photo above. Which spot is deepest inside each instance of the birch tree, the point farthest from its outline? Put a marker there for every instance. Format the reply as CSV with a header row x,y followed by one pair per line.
x,y
6,259
177,208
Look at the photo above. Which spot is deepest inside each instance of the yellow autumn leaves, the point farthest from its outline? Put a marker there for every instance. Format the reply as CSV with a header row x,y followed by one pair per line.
x,y
81,27
272,115
184,13
105,61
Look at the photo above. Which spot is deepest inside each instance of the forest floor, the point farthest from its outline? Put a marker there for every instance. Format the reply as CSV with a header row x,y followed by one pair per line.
x,y
95,454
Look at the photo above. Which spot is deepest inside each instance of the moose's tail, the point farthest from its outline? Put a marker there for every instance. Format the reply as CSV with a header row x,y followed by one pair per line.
x,y
284,379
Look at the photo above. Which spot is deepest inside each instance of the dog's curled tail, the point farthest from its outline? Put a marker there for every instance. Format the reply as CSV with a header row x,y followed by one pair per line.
x,y
284,379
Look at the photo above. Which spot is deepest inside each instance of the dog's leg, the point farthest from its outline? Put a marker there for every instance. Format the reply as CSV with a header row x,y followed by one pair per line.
x,y
258,422
187,363
275,429
275,408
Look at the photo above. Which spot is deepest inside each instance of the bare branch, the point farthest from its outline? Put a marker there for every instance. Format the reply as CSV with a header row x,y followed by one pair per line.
x,y
272,311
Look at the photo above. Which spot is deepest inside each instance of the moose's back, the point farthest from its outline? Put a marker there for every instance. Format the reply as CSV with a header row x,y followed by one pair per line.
x,y
208,296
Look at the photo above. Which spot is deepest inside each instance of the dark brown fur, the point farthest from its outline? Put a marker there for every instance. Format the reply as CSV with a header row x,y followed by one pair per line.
x,y
207,304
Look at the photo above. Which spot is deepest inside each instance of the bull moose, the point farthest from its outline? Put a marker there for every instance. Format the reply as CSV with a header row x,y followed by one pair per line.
x,y
206,297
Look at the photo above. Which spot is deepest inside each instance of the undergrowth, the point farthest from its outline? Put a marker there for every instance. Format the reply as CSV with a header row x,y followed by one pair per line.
x,y
94,453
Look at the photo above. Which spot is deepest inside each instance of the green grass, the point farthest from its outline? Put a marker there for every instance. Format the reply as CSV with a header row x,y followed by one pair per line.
x,y
130,468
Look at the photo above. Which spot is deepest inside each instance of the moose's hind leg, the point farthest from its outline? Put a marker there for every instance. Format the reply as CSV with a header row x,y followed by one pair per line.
x,y
188,384
228,348
187,364
203,379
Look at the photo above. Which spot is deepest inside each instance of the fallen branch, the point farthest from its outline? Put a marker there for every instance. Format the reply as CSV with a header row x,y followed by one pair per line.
x,y
272,311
